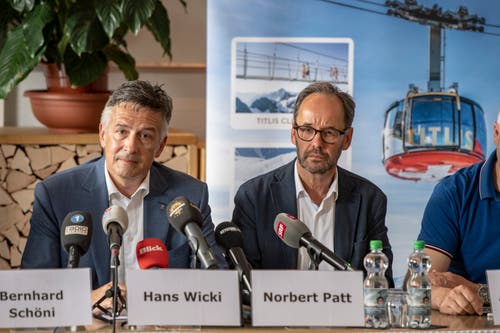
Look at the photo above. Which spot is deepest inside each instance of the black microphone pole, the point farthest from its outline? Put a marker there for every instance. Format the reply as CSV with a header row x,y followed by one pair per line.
x,y
195,248
114,263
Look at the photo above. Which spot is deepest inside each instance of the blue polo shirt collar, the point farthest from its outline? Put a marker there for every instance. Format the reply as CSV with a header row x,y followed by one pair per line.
x,y
486,187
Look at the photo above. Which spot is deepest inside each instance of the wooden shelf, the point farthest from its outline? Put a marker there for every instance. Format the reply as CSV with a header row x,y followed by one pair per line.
x,y
41,135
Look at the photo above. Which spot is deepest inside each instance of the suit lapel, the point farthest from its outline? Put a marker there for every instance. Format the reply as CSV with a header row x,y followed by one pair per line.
x,y
284,201
95,186
346,216
155,207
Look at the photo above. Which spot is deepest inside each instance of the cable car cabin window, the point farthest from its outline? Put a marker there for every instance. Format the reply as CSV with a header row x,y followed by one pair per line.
x,y
392,142
393,122
480,138
432,122
467,130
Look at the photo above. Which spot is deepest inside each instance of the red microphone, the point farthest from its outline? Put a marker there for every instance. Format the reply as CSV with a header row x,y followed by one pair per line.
x,y
151,253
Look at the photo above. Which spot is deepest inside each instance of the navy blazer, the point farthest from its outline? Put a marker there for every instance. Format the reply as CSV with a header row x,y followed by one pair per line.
x,y
84,188
359,217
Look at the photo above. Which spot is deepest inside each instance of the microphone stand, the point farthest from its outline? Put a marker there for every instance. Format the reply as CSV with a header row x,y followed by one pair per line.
x,y
315,257
113,292
194,259
115,262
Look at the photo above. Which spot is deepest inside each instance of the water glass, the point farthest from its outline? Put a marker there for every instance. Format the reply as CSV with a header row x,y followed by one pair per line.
x,y
397,307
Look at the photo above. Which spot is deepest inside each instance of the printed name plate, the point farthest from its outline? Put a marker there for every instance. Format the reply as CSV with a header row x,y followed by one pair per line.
x,y
191,297
307,298
493,277
45,297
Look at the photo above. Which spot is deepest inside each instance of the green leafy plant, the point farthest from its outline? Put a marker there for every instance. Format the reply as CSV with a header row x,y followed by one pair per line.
x,y
81,35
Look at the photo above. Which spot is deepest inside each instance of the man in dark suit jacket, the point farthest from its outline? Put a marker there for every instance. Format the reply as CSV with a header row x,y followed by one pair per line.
x,y
352,206
132,132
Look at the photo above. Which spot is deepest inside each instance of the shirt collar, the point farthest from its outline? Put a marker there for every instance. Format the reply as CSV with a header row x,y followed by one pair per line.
x,y
486,186
113,191
299,187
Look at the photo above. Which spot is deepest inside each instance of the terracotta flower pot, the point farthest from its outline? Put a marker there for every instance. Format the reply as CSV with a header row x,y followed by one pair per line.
x,y
57,81
65,109
68,112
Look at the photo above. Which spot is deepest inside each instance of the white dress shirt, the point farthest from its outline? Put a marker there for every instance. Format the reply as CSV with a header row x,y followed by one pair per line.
x,y
134,206
319,219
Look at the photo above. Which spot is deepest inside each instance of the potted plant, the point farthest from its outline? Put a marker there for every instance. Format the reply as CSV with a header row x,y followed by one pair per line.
x,y
78,38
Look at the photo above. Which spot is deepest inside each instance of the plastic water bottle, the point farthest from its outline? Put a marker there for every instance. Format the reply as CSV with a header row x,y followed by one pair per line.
x,y
419,287
375,287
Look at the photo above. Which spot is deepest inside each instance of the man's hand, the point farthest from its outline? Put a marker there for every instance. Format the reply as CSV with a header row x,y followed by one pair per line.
x,y
459,300
452,293
107,302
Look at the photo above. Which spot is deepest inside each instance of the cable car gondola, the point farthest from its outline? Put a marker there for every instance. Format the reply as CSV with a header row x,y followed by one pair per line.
x,y
430,135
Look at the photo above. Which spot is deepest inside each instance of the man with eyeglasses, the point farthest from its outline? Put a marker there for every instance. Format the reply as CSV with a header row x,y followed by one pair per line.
x,y
343,211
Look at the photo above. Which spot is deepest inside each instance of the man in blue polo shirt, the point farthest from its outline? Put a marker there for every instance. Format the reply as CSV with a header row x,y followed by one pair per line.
x,y
461,229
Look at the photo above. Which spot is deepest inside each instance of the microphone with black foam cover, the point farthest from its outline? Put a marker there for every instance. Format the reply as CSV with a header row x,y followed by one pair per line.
x,y
76,233
151,253
229,237
115,223
296,234
186,218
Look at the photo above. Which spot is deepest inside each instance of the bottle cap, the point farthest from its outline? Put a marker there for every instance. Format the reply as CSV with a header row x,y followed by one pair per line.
x,y
375,244
418,245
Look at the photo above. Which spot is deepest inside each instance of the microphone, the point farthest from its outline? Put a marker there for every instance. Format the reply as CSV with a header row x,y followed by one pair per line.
x,y
151,253
296,234
186,218
76,233
115,223
229,237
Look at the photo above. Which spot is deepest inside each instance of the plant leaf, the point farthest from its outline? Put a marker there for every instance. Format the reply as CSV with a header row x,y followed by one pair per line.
x,y
22,5
109,13
159,25
33,26
137,13
15,61
123,60
8,15
84,69
84,31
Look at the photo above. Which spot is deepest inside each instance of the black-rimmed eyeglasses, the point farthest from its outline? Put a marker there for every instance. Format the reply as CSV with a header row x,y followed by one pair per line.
x,y
328,135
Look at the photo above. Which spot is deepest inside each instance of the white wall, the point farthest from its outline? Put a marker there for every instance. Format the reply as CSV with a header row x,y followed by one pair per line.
x,y
187,87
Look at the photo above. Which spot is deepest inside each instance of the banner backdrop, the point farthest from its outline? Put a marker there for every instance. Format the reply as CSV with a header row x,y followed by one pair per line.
x,y
261,53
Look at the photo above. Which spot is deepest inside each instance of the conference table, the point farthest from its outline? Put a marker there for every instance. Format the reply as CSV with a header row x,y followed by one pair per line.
x,y
440,323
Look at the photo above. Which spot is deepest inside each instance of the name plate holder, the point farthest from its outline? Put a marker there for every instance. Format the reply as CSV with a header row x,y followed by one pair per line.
x,y
183,297
493,277
45,298
307,298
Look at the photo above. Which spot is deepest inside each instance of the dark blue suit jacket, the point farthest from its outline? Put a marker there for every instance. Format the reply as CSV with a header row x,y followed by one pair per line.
x,y
359,217
84,188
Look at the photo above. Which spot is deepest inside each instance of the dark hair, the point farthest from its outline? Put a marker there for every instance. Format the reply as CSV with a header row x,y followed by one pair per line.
x,y
328,89
142,94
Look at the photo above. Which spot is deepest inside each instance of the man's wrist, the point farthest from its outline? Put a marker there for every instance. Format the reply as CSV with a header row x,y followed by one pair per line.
x,y
484,293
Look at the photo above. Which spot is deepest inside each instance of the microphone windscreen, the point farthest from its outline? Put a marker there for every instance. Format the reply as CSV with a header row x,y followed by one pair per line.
x,y
76,230
289,229
181,211
228,235
151,252
115,214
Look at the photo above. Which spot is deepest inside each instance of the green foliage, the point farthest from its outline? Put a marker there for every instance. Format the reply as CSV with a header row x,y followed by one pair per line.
x,y
82,35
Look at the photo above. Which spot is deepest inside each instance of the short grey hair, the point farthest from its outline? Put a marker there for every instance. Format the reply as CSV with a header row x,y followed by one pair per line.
x,y
498,118
142,94
327,88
